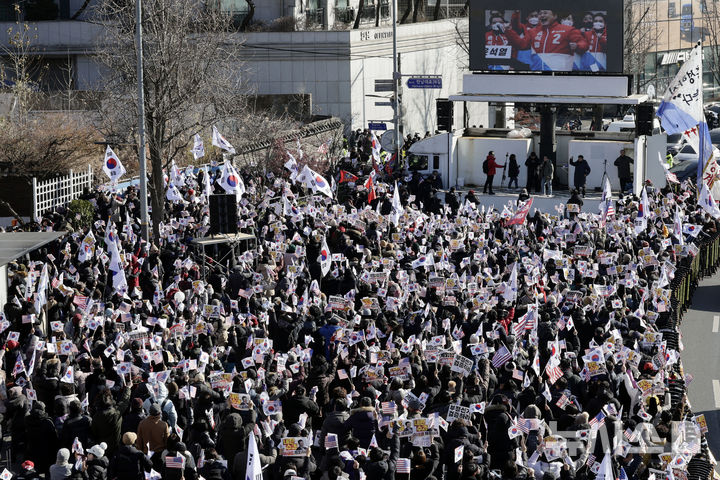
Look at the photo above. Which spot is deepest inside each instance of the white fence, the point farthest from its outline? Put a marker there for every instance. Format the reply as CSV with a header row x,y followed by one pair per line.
x,y
48,194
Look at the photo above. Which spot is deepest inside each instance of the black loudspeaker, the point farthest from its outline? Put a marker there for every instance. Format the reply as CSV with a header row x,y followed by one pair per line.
x,y
223,214
444,110
644,119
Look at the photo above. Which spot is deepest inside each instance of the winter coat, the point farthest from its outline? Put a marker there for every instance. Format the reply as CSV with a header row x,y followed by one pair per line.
x,y
548,170
152,430
41,439
97,469
129,463
493,165
363,424
334,423
106,427
214,470
582,170
76,427
513,168
231,438
296,405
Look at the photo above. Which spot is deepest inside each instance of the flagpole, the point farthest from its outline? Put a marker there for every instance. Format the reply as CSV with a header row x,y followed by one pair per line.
x,y
144,226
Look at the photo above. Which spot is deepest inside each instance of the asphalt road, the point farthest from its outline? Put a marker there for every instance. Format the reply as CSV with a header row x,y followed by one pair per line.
x,y
700,329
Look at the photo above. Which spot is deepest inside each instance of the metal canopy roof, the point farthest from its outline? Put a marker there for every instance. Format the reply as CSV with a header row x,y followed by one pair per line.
x,y
552,99
15,245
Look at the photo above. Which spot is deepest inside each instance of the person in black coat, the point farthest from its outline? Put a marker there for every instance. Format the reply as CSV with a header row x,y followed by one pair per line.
x,y
28,471
129,463
214,469
42,440
533,171
77,426
362,422
513,171
133,417
582,170
298,404
451,200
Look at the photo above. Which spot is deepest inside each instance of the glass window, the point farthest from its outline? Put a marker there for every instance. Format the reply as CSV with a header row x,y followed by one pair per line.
x,y
233,6
417,162
436,162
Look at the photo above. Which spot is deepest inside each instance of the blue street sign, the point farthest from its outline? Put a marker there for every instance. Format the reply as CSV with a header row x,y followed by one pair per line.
x,y
377,126
419,82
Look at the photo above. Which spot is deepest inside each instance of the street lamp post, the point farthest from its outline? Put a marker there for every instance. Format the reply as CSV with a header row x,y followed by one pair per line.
x,y
396,81
144,224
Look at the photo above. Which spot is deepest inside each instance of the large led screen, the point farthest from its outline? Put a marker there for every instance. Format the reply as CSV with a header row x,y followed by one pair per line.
x,y
579,36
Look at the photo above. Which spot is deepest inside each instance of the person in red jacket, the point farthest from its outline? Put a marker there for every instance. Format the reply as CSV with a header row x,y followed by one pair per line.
x,y
554,44
497,51
597,45
492,167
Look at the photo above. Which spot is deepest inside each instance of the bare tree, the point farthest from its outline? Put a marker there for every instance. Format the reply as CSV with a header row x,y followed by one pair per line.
x,y
247,21
193,78
21,67
358,16
712,40
48,145
641,35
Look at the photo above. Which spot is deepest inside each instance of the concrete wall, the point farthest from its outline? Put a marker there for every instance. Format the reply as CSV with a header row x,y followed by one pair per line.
x,y
596,152
472,151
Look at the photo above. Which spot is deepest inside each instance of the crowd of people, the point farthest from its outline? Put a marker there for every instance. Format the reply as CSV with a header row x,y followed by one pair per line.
x,y
366,335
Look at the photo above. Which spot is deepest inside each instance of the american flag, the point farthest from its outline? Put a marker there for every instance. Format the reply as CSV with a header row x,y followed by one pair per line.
x,y
55,282
629,435
519,327
81,301
388,408
175,462
610,209
597,421
553,372
403,465
523,425
562,401
501,357
590,460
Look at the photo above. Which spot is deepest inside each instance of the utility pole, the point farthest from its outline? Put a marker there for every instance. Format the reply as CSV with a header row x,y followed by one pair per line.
x,y
396,83
144,225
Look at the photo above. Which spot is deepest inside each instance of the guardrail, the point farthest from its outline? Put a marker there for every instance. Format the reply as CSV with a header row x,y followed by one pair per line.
x,y
688,274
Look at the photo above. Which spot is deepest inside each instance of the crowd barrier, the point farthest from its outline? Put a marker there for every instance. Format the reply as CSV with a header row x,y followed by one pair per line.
x,y
687,276
690,272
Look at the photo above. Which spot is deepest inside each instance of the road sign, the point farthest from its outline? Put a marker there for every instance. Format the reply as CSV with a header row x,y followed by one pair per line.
x,y
383,104
420,82
384,85
377,126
